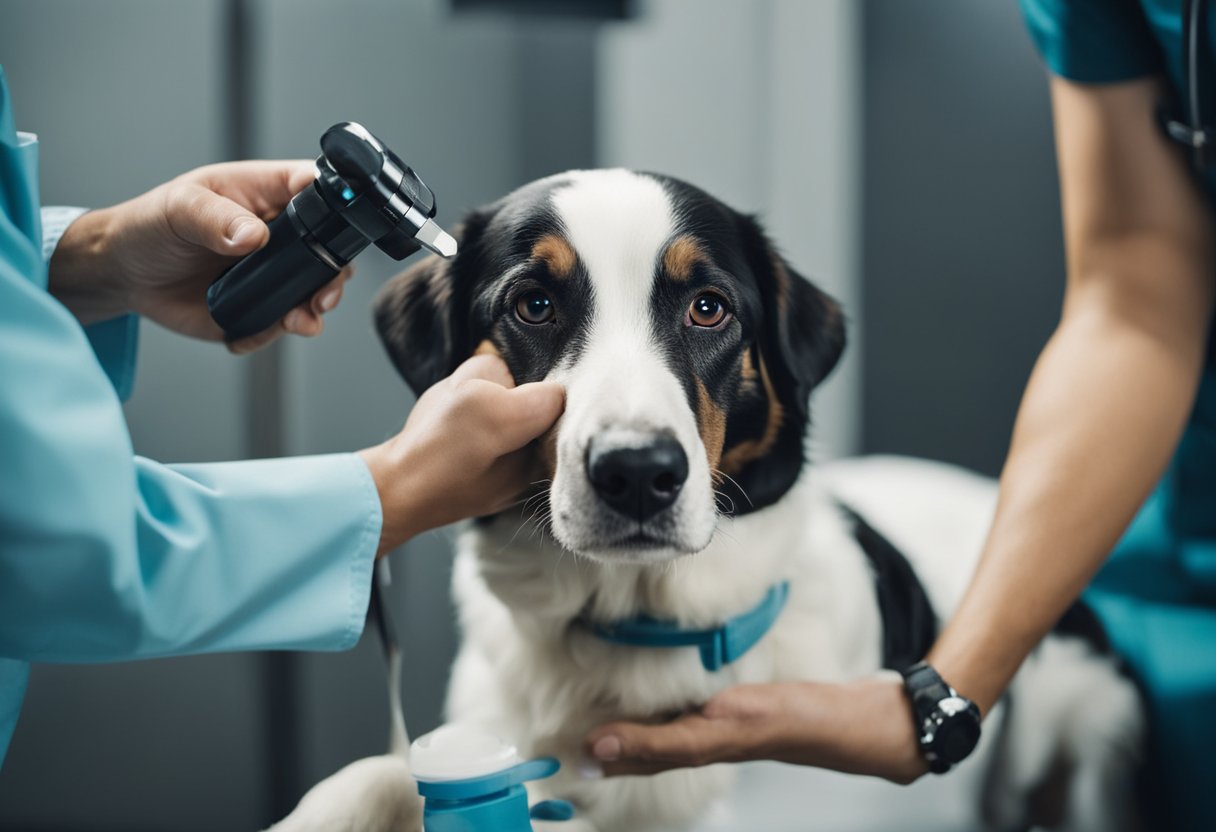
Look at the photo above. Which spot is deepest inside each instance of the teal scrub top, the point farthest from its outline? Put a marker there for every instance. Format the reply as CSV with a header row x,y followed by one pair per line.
x,y
1156,595
106,556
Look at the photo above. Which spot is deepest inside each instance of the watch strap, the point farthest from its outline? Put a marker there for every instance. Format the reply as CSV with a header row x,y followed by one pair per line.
x,y
926,691
925,688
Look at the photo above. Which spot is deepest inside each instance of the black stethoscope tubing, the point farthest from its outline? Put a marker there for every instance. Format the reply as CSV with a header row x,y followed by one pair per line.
x,y
1191,130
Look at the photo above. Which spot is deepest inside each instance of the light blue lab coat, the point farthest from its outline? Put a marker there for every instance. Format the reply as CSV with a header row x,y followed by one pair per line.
x,y
106,556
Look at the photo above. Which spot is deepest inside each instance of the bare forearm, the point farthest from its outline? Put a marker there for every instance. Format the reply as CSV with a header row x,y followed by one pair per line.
x,y
1104,409
1109,396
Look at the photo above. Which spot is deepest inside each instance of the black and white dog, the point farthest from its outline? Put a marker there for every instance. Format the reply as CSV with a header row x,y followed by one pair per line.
x,y
679,492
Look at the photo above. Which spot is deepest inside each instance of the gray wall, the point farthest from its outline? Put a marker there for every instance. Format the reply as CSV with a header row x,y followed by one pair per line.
x,y
962,263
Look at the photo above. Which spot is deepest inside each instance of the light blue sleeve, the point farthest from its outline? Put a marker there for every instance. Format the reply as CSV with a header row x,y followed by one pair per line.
x,y
106,556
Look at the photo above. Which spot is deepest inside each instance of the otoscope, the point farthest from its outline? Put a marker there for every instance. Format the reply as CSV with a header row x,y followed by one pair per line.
x,y
363,194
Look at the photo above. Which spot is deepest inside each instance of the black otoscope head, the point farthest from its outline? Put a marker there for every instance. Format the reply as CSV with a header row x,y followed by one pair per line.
x,y
363,194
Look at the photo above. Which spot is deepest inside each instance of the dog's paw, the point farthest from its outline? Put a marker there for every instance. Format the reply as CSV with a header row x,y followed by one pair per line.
x,y
375,794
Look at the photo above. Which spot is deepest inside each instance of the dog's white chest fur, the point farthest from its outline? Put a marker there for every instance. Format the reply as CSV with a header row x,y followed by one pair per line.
x,y
530,672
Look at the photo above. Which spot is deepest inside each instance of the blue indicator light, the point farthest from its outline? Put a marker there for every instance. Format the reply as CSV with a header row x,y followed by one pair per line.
x,y
348,194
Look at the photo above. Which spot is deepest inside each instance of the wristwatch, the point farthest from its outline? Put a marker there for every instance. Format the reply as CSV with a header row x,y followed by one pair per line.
x,y
948,725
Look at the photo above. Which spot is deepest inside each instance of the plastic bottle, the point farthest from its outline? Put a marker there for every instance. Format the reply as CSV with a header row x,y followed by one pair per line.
x,y
472,781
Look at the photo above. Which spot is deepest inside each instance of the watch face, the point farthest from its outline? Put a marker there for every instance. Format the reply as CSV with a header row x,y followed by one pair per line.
x,y
957,737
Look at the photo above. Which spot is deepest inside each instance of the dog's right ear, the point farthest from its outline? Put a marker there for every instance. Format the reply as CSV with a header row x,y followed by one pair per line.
x,y
415,318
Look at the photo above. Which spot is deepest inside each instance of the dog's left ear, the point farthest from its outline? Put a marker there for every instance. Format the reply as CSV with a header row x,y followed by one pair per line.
x,y
414,314
422,314
805,331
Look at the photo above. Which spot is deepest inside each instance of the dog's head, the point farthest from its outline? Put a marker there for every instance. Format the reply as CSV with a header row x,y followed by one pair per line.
x,y
687,346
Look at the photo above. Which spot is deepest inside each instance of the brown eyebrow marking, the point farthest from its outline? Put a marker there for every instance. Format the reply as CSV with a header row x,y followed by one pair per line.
x,y
749,450
681,256
555,252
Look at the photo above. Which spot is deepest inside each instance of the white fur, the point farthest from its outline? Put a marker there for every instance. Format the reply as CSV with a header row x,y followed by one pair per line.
x,y
619,390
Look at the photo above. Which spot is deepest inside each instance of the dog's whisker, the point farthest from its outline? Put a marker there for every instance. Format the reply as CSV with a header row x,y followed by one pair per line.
x,y
720,473
537,498
539,521
508,544
719,496
534,508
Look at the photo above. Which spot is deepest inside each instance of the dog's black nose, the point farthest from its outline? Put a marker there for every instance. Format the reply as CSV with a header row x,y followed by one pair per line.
x,y
638,482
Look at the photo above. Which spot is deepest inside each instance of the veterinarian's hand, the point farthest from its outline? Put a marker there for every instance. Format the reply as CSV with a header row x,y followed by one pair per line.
x,y
863,727
156,254
465,450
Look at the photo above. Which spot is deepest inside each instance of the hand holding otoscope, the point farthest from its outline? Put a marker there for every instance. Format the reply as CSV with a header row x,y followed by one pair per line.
x,y
363,194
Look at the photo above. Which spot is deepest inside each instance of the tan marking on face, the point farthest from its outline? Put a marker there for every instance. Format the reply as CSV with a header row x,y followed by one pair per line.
x,y
748,377
734,460
487,347
555,252
711,423
681,256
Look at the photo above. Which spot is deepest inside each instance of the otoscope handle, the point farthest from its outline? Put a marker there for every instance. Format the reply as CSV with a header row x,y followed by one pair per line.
x,y
259,290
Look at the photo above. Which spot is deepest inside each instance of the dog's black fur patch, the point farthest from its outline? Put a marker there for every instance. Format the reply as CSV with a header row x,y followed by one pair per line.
x,y
1080,621
909,625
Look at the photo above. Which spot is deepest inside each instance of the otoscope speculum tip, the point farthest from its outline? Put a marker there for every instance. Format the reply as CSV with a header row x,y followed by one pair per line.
x,y
436,239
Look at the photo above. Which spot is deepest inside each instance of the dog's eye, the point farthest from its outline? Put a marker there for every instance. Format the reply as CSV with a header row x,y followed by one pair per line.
x,y
534,308
707,310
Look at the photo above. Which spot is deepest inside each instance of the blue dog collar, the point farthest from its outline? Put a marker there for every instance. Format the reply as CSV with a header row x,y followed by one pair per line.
x,y
719,645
